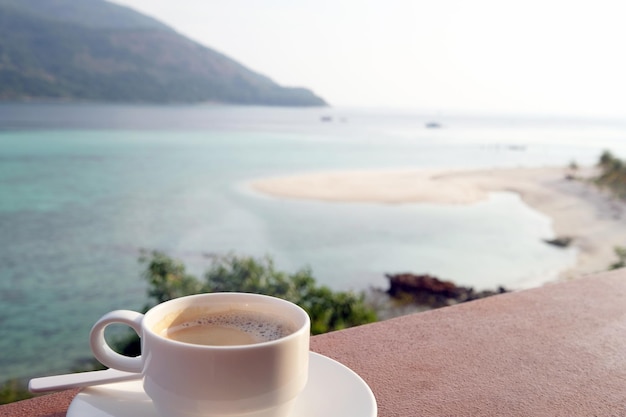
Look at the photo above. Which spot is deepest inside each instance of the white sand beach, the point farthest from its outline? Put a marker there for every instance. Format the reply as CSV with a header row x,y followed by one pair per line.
x,y
578,209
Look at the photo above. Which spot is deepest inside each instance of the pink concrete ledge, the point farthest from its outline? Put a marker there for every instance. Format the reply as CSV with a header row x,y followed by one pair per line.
x,y
559,350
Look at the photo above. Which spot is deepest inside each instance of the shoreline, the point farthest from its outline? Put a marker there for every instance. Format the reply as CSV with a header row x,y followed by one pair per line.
x,y
578,209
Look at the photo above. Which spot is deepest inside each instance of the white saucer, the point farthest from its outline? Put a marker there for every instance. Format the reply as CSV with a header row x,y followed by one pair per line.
x,y
333,390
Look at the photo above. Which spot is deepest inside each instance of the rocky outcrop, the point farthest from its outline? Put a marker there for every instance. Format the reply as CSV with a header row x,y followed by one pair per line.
x,y
560,241
430,291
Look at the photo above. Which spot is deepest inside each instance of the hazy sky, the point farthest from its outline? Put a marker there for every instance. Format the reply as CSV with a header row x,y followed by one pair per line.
x,y
532,56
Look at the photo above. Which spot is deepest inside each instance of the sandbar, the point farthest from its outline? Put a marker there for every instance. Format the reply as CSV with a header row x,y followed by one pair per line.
x,y
578,208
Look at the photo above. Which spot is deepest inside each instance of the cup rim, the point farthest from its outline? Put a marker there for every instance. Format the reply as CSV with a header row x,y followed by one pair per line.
x,y
303,327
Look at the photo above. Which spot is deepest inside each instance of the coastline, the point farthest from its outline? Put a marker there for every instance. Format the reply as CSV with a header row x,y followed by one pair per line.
x,y
578,209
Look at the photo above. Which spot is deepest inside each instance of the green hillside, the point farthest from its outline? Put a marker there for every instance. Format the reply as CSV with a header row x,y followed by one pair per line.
x,y
95,50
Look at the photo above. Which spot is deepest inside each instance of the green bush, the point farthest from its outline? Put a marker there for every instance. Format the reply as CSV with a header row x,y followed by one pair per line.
x,y
620,252
329,310
13,390
612,174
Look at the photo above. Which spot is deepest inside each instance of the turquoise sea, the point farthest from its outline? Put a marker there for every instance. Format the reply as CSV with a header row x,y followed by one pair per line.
x,y
85,187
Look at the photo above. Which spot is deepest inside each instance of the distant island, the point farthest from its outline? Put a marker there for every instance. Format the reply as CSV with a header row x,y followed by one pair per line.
x,y
99,51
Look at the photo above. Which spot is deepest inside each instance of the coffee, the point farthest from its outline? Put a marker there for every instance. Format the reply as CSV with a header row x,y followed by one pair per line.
x,y
229,328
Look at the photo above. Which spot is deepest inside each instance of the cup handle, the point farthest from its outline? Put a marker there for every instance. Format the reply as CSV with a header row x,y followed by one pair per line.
x,y
101,349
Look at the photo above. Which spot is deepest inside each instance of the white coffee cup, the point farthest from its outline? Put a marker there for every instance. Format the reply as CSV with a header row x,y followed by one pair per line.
x,y
198,380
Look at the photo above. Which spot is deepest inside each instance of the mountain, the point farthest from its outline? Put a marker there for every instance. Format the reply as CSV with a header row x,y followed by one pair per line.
x,y
100,51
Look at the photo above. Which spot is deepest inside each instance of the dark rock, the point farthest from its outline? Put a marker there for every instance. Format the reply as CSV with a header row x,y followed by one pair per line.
x,y
561,241
430,291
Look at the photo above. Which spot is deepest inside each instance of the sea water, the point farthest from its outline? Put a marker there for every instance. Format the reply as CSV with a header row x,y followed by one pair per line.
x,y
85,187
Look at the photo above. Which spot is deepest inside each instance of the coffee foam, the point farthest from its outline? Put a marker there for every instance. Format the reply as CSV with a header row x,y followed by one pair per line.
x,y
259,326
